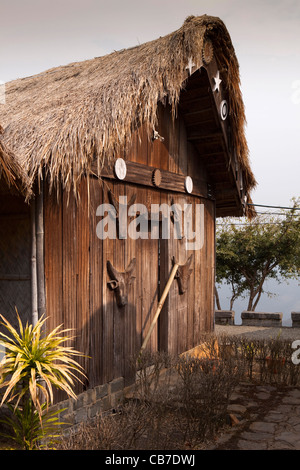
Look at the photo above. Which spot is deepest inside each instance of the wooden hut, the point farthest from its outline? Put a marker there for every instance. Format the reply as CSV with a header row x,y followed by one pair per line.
x,y
160,123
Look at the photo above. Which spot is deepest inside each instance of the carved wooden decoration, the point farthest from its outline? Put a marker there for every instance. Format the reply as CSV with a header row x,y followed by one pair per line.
x,y
120,168
188,184
156,136
156,177
120,280
183,274
207,52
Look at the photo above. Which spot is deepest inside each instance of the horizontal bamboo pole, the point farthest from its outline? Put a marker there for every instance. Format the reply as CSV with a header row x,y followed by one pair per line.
x,y
160,305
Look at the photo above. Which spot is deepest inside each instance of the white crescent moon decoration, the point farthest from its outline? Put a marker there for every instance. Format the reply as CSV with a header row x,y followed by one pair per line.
x,y
120,168
188,184
224,110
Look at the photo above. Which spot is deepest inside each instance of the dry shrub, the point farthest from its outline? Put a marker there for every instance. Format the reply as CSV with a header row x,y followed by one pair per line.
x,y
179,402
176,401
264,360
203,390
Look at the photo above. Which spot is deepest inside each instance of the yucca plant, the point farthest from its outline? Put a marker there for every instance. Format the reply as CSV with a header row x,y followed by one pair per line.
x,y
34,364
28,430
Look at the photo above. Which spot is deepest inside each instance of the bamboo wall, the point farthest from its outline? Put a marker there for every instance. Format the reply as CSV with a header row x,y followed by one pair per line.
x,y
15,253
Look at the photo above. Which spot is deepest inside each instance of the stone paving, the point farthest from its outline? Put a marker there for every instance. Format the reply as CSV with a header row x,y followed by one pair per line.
x,y
262,418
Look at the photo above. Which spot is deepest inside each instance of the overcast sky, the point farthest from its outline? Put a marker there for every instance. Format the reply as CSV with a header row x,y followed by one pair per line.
x,y
39,34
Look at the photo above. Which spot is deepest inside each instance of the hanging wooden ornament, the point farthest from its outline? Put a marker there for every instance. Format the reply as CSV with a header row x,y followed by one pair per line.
x,y
120,168
156,177
224,110
188,184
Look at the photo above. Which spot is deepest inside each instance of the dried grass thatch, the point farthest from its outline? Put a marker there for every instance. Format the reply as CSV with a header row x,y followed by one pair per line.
x,y
11,172
62,119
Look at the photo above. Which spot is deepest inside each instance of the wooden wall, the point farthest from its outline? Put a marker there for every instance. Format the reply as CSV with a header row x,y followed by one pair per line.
x,y
78,296
77,293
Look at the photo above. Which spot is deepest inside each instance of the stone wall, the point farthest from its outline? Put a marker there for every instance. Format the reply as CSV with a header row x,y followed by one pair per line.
x,y
226,317
261,319
91,403
295,319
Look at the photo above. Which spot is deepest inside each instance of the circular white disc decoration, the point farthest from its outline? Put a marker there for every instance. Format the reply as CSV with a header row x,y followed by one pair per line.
x,y
120,168
188,184
224,110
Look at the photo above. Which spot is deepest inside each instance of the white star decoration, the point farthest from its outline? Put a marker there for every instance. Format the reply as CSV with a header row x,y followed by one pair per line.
x,y
217,81
190,65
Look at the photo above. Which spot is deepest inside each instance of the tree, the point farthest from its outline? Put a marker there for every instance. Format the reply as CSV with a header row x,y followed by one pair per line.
x,y
250,252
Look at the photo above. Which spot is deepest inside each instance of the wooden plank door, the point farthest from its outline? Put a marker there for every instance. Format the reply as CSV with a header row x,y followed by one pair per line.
x,y
149,290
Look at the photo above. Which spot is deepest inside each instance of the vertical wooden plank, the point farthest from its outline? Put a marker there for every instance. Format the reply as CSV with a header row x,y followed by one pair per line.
x,y
190,292
183,299
95,286
130,348
120,313
145,284
198,290
164,272
82,274
108,305
174,145
174,251
138,280
53,242
53,260
152,246
211,264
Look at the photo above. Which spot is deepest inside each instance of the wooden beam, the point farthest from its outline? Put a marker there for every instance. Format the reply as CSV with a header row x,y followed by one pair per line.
x,y
140,174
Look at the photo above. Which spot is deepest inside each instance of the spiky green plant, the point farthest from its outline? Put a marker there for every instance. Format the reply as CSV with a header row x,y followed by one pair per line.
x,y
34,364
27,430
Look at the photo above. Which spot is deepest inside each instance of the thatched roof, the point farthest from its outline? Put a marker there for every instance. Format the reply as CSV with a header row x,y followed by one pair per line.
x,y
12,174
63,118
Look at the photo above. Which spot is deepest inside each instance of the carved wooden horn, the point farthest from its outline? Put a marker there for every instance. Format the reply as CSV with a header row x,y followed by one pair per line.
x,y
183,274
113,273
114,201
120,280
